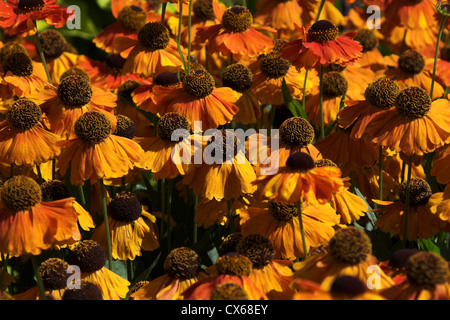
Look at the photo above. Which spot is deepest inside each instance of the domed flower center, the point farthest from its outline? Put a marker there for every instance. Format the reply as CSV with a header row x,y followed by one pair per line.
x,y
75,71
300,161
54,190
419,192
230,242
237,19
24,115
30,5
382,93
166,79
411,62
278,45
169,123
324,163
334,84
75,91
154,36
88,255
203,10
115,63
53,43
182,263
333,67
92,128
427,269
400,257
348,286
226,142
350,245
367,39
125,127
234,264
20,193
444,54
237,77
258,248
228,291
54,274
273,66
322,31
413,103
296,132
125,206
132,18
19,64
198,83
126,89
10,48
283,212
87,291
139,285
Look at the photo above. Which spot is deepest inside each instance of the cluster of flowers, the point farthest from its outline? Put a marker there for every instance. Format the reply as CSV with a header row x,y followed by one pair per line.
x,y
364,151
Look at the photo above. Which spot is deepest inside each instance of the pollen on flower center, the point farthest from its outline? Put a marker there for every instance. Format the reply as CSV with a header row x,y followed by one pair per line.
x,y
258,248
132,18
54,190
228,291
20,193
413,103
199,83
24,115
367,39
411,62
169,123
296,132
234,264
238,77
154,36
19,64
92,127
126,89
300,161
125,206
382,93
10,48
426,269
115,63
324,163
75,91
350,245
419,192
53,43
182,263
125,127
334,84
322,31
30,5
237,19
88,255
74,71
283,212
203,10
273,66
54,274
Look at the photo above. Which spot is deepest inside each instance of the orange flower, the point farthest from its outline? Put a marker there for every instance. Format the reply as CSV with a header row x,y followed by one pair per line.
x,y
371,57
281,15
29,225
235,35
321,44
18,17
440,168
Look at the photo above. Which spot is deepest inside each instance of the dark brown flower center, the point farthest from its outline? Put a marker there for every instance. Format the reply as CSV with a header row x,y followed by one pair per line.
x,y
54,274
229,291
234,264
300,162
283,212
87,291
20,193
125,206
413,103
427,269
171,122
125,91
411,62
75,91
115,63
92,127
278,45
139,285
258,248
225,142
24,115
348,286
203,10
382,93
132,18
30,5
400,257
198,83
367,39
334,84
322,31
237,19
154,36
54,190
10,48
230,242
333,67
19,64
125,127
238,77
166,79
182,263
419,192
444,54
350,245
273,66
88,255
296,132
53,43
75,71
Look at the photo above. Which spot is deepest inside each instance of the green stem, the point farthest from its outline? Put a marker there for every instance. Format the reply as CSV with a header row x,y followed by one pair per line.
x,y
403,42
180,22
106,222
130,270
322,125
163,12
169,213
38,169
189,36
81,194
441,27
37,274
322,3
407,200
271,119
41,54
402,178
302,231
304,90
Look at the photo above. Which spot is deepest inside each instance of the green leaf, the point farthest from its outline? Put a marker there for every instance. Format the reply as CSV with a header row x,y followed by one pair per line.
x,y
428,245
293,105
